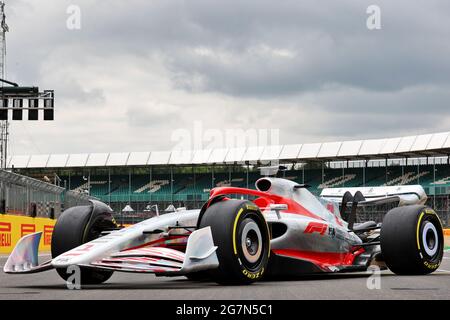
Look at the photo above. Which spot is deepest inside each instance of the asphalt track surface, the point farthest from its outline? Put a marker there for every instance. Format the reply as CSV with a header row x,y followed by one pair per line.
x,y
122,286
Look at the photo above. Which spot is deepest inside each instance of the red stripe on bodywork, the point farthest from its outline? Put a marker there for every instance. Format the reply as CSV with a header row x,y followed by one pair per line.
x,y
293,206
158,242
321,259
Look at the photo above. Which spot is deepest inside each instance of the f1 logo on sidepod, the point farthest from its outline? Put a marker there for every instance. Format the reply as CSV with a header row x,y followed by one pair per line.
x,y
319,227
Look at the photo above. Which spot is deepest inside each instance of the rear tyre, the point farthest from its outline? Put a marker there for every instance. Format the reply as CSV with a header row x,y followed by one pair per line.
x,y
412,240
78,225
241,234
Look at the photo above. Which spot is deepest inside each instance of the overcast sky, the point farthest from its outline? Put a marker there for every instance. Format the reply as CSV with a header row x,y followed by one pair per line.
x,y
137,70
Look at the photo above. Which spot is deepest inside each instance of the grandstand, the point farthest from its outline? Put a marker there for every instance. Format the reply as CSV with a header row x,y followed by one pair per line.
x,y
184,178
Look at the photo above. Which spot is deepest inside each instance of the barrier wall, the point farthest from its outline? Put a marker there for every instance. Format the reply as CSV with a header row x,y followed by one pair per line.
x,y
12,228
447,238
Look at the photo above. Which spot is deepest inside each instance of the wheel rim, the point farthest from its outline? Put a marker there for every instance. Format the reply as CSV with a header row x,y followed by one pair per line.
x,y
251,241
430,239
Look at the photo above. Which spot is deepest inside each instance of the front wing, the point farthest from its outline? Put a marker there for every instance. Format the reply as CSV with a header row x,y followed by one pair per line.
x,y
200,255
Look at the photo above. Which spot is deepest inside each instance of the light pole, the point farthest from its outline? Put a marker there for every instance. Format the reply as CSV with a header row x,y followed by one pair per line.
x,y
17,95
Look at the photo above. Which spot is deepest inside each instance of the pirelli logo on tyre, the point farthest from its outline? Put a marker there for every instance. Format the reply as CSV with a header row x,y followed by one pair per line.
x,y
431,266
251,207
252,275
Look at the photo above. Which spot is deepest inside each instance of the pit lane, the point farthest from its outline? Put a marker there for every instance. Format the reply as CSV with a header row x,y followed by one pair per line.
x,y
122,286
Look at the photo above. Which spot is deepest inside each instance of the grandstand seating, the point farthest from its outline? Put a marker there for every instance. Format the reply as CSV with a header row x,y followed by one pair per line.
x,y
187,187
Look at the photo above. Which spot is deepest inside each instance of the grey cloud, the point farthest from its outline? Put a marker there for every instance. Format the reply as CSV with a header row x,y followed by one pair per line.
x,y
154,118
310,68
329,42
413,100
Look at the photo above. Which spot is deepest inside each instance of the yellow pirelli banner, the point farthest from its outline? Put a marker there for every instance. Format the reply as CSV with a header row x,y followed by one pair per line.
x,y
447,238
12,228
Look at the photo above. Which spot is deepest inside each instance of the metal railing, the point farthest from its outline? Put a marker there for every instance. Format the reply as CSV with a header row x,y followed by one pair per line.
x,y
21,195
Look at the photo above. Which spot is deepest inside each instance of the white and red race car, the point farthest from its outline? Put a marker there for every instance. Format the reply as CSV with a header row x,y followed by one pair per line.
x,y
283,230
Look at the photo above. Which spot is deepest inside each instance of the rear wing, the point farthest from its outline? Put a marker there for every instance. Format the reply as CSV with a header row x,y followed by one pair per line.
x,y
404,195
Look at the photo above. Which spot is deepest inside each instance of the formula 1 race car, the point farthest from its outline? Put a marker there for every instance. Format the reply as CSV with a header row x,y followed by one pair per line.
x,y
279,229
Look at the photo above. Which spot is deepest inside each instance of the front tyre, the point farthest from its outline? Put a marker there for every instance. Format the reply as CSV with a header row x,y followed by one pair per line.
x,y
412,240
78,225
241,234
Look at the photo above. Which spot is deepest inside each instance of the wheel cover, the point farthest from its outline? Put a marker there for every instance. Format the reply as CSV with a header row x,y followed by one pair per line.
x,y
251,242
430,239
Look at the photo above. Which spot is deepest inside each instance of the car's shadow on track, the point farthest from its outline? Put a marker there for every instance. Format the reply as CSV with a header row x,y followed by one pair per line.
x,y
325,276
181,283
173,284
186,284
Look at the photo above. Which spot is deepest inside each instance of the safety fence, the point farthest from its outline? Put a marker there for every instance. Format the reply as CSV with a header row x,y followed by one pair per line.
x,y
29,205
25,196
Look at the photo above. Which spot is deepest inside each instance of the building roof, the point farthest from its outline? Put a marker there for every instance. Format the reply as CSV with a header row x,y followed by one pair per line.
x,y
437,144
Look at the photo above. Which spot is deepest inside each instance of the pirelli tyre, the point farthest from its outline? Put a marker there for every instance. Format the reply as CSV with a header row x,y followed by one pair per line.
x,y
412,240
241,234
78,225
